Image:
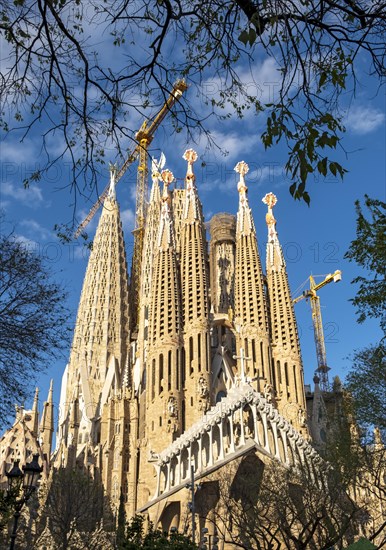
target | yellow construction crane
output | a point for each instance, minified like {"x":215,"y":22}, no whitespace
{"x":143,"y":137}
{"x":310,"y":293}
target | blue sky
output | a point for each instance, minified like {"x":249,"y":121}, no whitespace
{"x":314,"y":238}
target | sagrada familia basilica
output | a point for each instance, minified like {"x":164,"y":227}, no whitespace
{"x":198,"y":370}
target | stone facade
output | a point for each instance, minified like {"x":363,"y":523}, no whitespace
{"x":29,"y":435}
{"x":210,"y":323}
{"x":209,"y":375}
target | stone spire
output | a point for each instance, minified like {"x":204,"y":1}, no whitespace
{"x":100,"y":343}
{"x":47,"y":423}
{"x":163,"y":361}
{"x":288,"y":368}
{"x":151,"y":229}
{"x":35,"y":413}
{"x":149,"y":244}
{"x":251,"y":317}
{"x":195,"y":303}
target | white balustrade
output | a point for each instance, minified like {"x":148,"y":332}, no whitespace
{"x":243,"y":409}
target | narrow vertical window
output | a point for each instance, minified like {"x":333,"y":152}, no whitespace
{"x":161,"y":372}
{"x":199,"y":352}
{"x":153,"y":379}
{"x":191,"y":355}
{"x":169,"y":370}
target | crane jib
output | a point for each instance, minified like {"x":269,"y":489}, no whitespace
{"x":144,"y":137}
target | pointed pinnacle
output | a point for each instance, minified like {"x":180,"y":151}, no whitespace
{"x":242,"y":168}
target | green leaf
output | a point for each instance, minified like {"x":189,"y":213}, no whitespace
{"x":252,"y":36}
{"x":306,"y":198}
{"x":244,"y":37}
{"x":301,"y":188}
{"x":322,"y":167}
{"x":322,"y":80}
{"x":310,"y":148}
{"x":292,"y":189}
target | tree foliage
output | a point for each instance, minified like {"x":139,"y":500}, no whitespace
{"x":367,"y":379}
{"x":147,"y":537}
{"x":287,"y":508}
{"x":367,"y":383}
{"x":368,"y":250}
{"x":260,"y":506}
{"x":7,"y":503}
{"x":57,"y":72}
{"x":33,"y":320}
{"x":71,"y":513}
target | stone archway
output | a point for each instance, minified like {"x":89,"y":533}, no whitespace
{"x":246,"y":483}
{"x":207,"y":498}
{"x":170,"y":517}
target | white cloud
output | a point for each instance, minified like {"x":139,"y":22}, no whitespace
{"x":234,"y":145}
{"x":19,"y":152}
{"x":4,"y":204}
{"x":260,"y":81}
{"x":33,"y":227}
{"x":272,"y":173}
{"x":128,"y":219}
{"x":31,"y":196}
{"x":363,"y":120}
{"x":29,"y":244}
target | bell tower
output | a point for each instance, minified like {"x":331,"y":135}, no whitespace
{"x":286,"y":361}
{"x":100,"y":343}
{"x":251,"y":317}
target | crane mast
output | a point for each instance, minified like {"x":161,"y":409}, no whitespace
{"x":143,"y":137}
{"x":311,"y":294}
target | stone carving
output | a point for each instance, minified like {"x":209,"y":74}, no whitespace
{"x":302,"y":418}
{"x":202,"y":388}
{"x":153,"y":456}
{"x":172,"y":407}
{"x":268,"y":392}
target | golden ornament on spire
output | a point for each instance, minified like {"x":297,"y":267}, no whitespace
{"x":167,"y":178}
{"x":241,"y":168}
{"x":270,"y":200}
{"x":190,"y":156}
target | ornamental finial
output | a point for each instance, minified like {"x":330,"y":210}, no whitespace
{"x":167,"y":178}
{"x":113,"y":176}
{"x":156,"y":167}
{"x":36,"y":399}
{"x":270,"y":200}
{"x":190,"y":156}
{"x":241,"y":168}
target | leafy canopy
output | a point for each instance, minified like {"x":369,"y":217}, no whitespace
{"x":33,"y":320}
{"x":367,"y":383}
{"x":367,"y":378}
{"x":60,"y":74}
{"x":152,"y":539}
{"x":368,"y":250}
